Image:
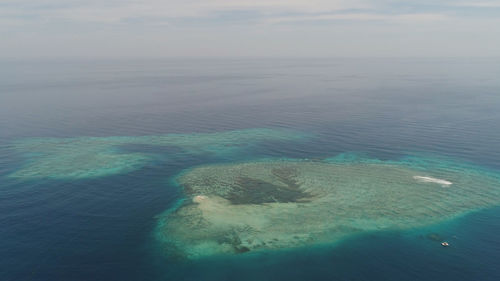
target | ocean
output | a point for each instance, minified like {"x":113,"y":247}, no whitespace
{"x":90,"y":149}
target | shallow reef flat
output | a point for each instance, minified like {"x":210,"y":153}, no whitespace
{"x":87,"y":157}
{"x":278,"y":204}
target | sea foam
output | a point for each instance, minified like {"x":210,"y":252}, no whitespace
{"x":433,"y":180}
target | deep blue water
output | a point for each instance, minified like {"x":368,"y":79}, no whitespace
{"x":102,"y":228}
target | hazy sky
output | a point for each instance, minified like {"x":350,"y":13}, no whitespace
{"x":291,"y":28}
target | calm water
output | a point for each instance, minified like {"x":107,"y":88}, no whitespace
{"x":102,"y":228}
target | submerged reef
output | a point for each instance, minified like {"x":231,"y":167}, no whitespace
{"x":87,"y":157}
{"x":276,"y":204}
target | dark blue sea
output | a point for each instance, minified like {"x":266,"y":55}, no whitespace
{"x":102,"y":227}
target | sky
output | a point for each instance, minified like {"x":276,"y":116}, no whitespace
{"x":243,"y":28}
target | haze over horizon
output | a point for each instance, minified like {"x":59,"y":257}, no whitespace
{"x":223,"y":28}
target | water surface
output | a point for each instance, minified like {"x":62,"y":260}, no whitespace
{"x":60,"y":220}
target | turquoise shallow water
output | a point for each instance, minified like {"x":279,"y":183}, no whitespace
{"x":86,"y":168}
{"x":238,"y":208}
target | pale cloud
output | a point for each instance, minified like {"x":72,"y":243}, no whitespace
{"x":269,"y":11}
{"x":401,"y":18}
{"x":175,"y":8}
{"x":115,"y":11}
{"x":479,"y":4}
{"x":298,"y":6}
{"x":248,"y":28}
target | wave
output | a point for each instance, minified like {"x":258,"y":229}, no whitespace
{"x":433,"y":180}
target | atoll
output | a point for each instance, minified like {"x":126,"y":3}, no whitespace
{"x":278,"y":204}
{"x":88,"y":157}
